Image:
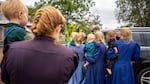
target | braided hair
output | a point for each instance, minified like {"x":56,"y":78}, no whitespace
{"x":46,"y":20}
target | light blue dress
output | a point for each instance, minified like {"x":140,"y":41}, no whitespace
{"x":122,"y":71}
{"x":79,"y":74}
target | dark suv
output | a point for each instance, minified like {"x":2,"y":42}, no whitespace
{"x":142,"y":66}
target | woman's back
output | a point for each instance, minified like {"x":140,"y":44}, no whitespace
{"x":36,"y":63}
{"x":78,"y":76}
{"x":79,"y":50}
{"x":126,"y":50}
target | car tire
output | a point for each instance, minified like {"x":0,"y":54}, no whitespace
{"x":143,"y":76}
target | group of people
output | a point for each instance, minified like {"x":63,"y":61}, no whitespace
{"x":90,"y":69}
{"x":103,"y":62}
{"x":43,"y":60}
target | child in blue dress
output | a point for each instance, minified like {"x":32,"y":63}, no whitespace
{"x":77,"y":46}
{"x":72,"y":42}
{"x":111,"y":38}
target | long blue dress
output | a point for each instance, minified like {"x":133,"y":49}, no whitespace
{"x":79,"y":74}
{"x":122,"y":71}
{"x":95,"y":71}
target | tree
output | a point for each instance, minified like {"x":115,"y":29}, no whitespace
{"x":133,"y":12}
{"x":76,"y":12}
{"x":73,"y":10}
{"x":94,"y":18}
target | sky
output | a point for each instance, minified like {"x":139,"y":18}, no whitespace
{"x":104,"y":8}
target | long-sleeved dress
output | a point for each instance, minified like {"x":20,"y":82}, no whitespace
{"x":79,"y":74}
{"x":122,"y":71}
{"x":38,"y":61}
{"x":95,"y":71}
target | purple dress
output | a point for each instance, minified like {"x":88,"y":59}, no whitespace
{"x":38,"y":61}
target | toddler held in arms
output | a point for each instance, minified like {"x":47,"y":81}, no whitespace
{"x":89,"y":48}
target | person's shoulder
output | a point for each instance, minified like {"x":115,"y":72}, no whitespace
{"x":134,"y":43}
{"x":119,"y":42}
{"x":89,"y":43}
{"x":15,"y":26}
{"x":97,"y":43}
{"x":18,"y":33}
{"x":82,"y":45}
{"x":100,"y":45}
{"x":64,"y":49}
{"x":20,"y":44}
{"x":66,"y":52}
{"x":17,"y":30}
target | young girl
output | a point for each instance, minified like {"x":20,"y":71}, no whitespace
{"x":111,"y":37}
{"x":72,"y":42}
{"x":95,"y":71}
{"x":78,"y":47}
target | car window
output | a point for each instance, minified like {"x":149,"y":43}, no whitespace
{"x":143,"y":38}
{"x":145,"y":52}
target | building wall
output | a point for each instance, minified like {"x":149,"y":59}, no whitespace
{"x":1,"y":42}
{"x":2,"y":25}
